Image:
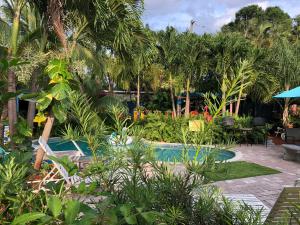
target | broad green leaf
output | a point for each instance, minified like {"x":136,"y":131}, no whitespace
{"x":56,"y":79}
{"x":55,"y":205}
{"x":131,"y":219}
{"x":125,"y":210}
{"x":71,"y":211}
{"x":43,"y":102}
{"x":57,"y":67}
{"x":27,"y":218}
{"x":150,"y":216}
{"x":60,"y":90}
{"x":59,"y":112}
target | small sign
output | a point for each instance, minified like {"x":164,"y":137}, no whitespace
{"x":196,"y":125}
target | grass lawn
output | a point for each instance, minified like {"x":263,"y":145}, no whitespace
{"x":239,"y":169}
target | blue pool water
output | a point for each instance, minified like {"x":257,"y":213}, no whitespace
{"x":166,"y":153}
{"x":170,"y":154}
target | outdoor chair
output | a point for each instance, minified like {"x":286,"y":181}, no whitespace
{"x":228,"y":122}
{"x":58,"y":169}
{"x":292,"y":135}
{"x":259,"y":124}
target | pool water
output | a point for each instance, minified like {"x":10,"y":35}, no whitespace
{"x":170,"y":154}
{"x":166,"y":153}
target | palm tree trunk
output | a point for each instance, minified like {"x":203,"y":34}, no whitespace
{"x":223,"y":89}
{"x":30,"y":114}
{"x":2,"y":118}
{"x":12,"y":80}
{"x":237,"y":106}
{"x":138,"y":92}
{"x":285,"y":114}
{"x":110,"y":86}
{"x":45,"y":135}
{"x":12,"y":104}
{"x":187,"y":100}
{"x":31,"y":105}
{"x":172,"y":95}
{"x":55,"y":12}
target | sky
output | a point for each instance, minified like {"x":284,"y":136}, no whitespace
{"x":209,"y":15}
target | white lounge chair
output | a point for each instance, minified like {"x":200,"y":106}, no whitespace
{"x":58,"y":169}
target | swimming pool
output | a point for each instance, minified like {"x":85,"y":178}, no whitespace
{"x":162,"y":152}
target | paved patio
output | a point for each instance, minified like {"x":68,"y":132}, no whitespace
{"x":265,"y":188}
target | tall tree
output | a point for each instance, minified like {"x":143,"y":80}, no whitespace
{"x":194,"y":62}
{"x":14,"y":8}
{"x":169,"y":57}
{"x":285,"y":58}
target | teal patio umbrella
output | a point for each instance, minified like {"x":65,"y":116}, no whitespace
{"x":293,"y":93}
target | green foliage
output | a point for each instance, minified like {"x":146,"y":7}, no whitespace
{"x":12,"y":177}
{"x":58,"y":211}
{"x":157,"y":127}
{"x":60,"y":88}
{"x":84,"y":122}
{"x":159,"y":101}
{"x":23,"y":132}
{"x":70,"y":167}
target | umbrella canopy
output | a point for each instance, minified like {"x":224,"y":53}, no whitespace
{"x":293,"y":93}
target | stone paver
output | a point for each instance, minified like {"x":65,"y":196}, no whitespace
{"x":266,"y":188}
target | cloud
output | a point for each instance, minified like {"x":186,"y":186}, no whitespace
{"x":210,"y":15}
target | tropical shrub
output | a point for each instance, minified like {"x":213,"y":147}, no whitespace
{"x":158,"y":127}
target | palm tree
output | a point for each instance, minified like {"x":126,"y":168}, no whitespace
{"x":246,"y":72}
{"x":285,"y":58}
{"x":229,"y":49}
{"x":167,"y":45}
{"x":12,"y":10}
{"x":194,"y":62}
